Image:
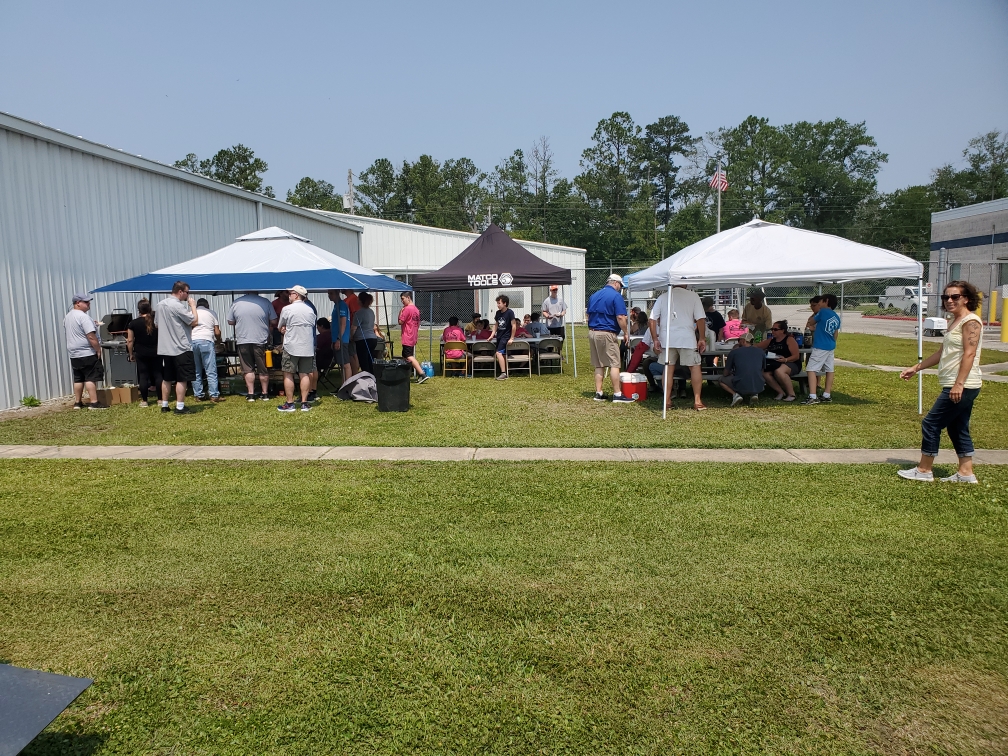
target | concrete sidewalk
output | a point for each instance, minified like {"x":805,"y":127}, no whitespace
{"x":470,"y":454}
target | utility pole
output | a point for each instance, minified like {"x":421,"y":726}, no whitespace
{"x":348,"y":203}
{"x":489,"y":206}
{"x":719,"y":196}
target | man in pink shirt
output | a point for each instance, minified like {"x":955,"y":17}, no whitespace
{"x":409,"y":324}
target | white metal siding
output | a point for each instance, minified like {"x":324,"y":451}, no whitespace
{"x":72,"y":220}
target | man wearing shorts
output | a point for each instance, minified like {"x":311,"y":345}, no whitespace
{"x":679,"y":330}
{"x":341,"y":333}
{"x":504,"y":329}
{"x":85,"y":352}
{"x":253,"y":318}
{"x":607,"y":316}
{"x":409,"y":325}
{"x":826,"y":323}
{"x":175,"y":316}
{"x":297,"y":324}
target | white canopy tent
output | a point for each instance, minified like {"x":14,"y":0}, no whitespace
{"x":760,"y":253}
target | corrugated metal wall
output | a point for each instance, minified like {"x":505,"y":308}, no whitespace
{"x":392,"y":248}
{"x":72,"y":220}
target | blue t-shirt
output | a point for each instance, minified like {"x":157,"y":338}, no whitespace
{"x":340,"y":310}
{"x":827,"y":325}
{"x":603,"y":308}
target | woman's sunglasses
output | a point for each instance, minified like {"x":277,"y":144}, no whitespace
{"x":953,"y":297}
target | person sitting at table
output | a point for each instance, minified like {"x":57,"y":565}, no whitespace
{"x":638,"y":322}
{"x":743,"y":374}
{"x":756,"y":313}
{"x":733,"y":327}
{"x":484,"y":332}
{"x":783,"y":361}
{"x":715,"y":321}
{"x":521,"y":332}
{"x":475,"y":325}
{"x":536,"y":328}
{"x":453,"y":333}
{"x":526,"y":320}
{"x":323,"y":343}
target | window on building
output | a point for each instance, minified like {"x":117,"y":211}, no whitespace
{"x":1002,"y":273}
{"x":955,"y":271}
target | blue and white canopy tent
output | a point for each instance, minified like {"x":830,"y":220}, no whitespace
{"x":266,"y":260}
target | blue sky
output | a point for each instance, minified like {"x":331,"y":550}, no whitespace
{"x":317,"y":88}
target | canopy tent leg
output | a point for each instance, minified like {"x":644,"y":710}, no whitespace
{"x":665,"y":372}
{"x":573,"y":340}
{"x":388,"y":328}
{"x":430,"y":330}
{"x":920,"y":344}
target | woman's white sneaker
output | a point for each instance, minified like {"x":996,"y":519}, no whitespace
{"x":914,"y":474}
{"x":959,"y":478}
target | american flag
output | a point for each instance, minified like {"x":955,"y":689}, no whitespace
{"x":719,"y":181}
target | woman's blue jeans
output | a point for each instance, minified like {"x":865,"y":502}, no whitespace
{"x":952,"y":415}
{"x":206,"y":360}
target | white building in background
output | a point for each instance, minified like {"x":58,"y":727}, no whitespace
{"x":75,"y":215}
{"x":404,"y":249}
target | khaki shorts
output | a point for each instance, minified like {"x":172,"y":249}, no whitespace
{"x":685,"y":357}
{"x":820,"y":361}
{"x":289,"y":363}
{"x":604,"y":348}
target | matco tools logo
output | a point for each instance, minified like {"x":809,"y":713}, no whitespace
{"x":491,"y":279}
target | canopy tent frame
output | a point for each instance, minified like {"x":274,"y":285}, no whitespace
{"x":759,"y":253}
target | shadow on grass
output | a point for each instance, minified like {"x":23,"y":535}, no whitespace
{"x":64,"y":744}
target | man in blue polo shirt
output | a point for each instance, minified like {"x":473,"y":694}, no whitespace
{"x":607,"y":316}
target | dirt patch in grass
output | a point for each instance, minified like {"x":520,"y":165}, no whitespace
{"x":966,"y":713}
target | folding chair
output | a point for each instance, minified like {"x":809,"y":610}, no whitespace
{"x":325,"y":371}
{"x":519,"y":357}
{"x":454,"y":363}
{"x":550,"y":352}
{"x":484,"y":357}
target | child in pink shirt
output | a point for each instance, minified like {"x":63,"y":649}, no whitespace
{"x":453,"y":333}
{"x":733,"y":327}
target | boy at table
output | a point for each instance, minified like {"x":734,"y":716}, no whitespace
{"x":475,"y":325}
{"x":504,"y":327}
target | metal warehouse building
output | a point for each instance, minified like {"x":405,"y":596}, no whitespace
{"x":75,"y":215}
{"x":971,"y":243}
{"x":404,"y":249}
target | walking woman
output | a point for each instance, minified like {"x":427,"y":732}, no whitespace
{"x":365,"y":333}
{"x":958,"y":364}
{"x":141,"y":343}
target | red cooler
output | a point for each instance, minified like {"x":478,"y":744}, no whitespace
{"x":634,"y":385}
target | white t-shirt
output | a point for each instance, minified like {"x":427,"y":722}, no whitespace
{"x":77,"y":325}
{"x":687,"y":309}
{"x":551,"y":309}
{"x":204,"y":330}
{"x":299,"y":338}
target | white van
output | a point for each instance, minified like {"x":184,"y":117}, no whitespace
{"x":903,"y":298}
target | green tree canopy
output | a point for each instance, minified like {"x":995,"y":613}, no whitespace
{"x":316,"y":194}
{"x":236,"y":165}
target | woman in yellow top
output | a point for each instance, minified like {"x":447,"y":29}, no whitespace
{"x":958,"y":364}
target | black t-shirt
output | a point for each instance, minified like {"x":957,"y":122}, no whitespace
{"x":144,"y":344}
{"x":504,"y":321}
{"x":715,"y":323}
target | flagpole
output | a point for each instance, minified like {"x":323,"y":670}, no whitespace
{"x":719,"y":195}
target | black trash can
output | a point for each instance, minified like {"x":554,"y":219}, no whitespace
{"x":393,"y":378}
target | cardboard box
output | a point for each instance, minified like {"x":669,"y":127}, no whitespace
{"x":107,"y":397}
{"x":128,"y":394}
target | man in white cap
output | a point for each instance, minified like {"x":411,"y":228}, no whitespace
{"x":674,"y":328}
{"x":85,"y":352}
{"x":297,"y":324}
{"x":607,"y":316}
{"x":554,"y":309}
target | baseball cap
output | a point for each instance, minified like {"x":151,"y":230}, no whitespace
{"x":301,"y":290}
{"x":747,"y":337}
{"x":616,"y":278}
{"x":82,"y":298}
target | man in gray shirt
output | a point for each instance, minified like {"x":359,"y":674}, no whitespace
{"x":253,"y":318}
{"x":554,"y":309}
{"x":85,"y":352}
{"x":744,"y":371}
{"x":297,"y":324}
{"x":175,"y":316}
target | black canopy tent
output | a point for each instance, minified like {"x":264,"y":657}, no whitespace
{"x":494,"y":260}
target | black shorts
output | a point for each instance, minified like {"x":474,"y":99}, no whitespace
{"x":252,"y":358}
{"x":180,"y":368}
{"x":558,"y":331}
{"x":408,"y":351}
{"x":87,"y":369}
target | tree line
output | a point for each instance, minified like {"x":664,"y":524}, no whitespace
{"x":643,"y":192}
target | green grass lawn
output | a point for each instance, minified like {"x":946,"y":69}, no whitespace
{"x":508,"y":608}
{"x":869,"y":349}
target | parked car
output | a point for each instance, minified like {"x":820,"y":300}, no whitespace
{"x":903,"y":298}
